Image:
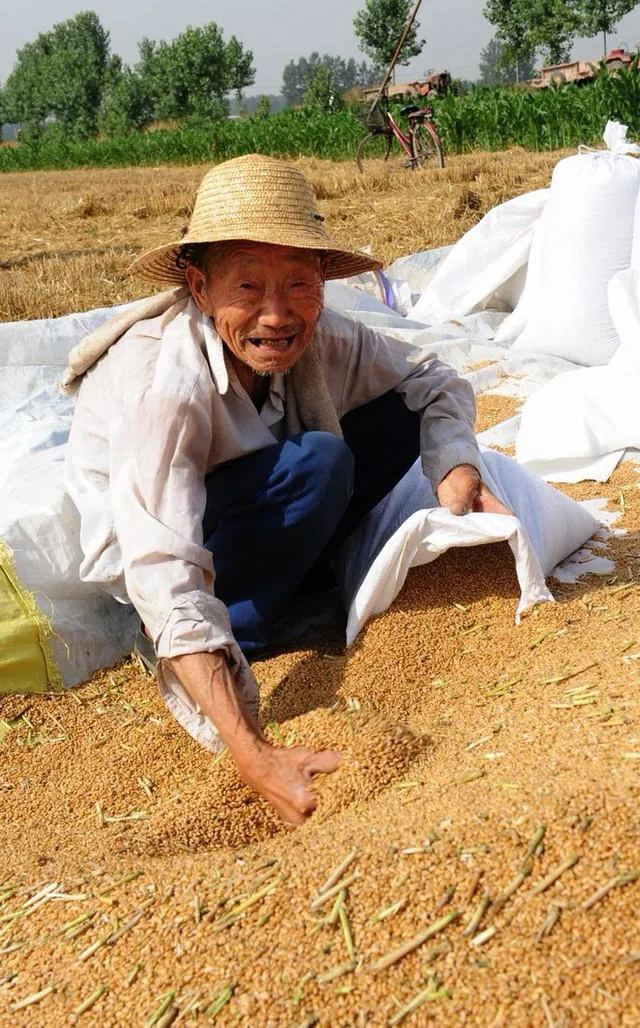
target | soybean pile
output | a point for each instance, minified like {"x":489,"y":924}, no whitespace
{"x":482,"y":826}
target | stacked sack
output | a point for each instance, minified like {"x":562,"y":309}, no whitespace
{"x":578,"y":425}
{"x":582,"y":239}
{"x":486,"y":268}
{"x":55,"y":630}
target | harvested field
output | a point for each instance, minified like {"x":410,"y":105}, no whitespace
{"x":484,"y":819}
{"x":71,"y":234}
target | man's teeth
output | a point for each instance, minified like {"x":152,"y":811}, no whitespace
{"x":277,"y":343}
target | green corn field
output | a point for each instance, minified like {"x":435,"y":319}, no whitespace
{"x":484,"y":119}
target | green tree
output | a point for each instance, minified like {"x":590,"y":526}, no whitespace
{"x":239,"y":66}
{"x":524,"y":26}
{"x":191,"y":76}
{"x":602,"y":16}
{"x":263,"y":107}
{"x":297,"y":75}
{"x":379,"y":26}
{"x":555,"y":25}
{"x":512,"y":22}
{"x":3,"y":112}
{"x":369,"y":74}
{"x":79,"y":63}
{"x":148,"y":71}
{"x":321,"y":91}
{"x":293,"y":81}
{"x":61,"y":75}
{"x":498,"y":66}
{"x":25,"y":93}
{"x":126,"y":105}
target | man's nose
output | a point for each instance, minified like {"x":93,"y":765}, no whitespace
{"x":275,"y":311}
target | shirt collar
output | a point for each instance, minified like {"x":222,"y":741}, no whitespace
{"x":214,"y":348}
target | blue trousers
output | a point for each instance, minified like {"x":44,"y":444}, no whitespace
{"x":272,"y":515}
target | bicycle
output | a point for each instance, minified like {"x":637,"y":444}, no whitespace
{"x":420,"y":145}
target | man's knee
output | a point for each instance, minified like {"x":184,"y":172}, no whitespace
{"x":327,"y":464}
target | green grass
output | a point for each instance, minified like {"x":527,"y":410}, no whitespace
{"x":485,"y":119}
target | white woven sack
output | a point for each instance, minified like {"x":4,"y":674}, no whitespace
{"x":581,"y":241}
{"x":516,"y":322}
{"x":408,"y":529}
{"x":410,"y":275}
{"x":579,"y":424}
{"x":38,"y":523}
{"x":483,"y":261}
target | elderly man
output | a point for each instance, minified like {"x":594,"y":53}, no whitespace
{"x":248,"y":429}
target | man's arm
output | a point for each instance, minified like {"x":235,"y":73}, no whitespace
{"x":364,"y":364}
{"x":373,"y":364}
{"x":159,"y":456}
{"x":284,"y":777}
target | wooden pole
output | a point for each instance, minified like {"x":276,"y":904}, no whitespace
{"x":403,"y":38}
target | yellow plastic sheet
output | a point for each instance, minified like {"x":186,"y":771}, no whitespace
{"x":26,"y":658}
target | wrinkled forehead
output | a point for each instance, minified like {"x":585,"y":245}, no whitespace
{"x":241,"y":253}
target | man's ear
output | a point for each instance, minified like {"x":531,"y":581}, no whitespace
{"x":198,"y":285}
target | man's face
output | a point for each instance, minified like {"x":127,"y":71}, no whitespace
{"x":265,"y":301}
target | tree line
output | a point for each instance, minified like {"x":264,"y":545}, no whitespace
{"x":307,"y":77}
{"x":68,"y":81}
{"x":69,"y":76}
{"x":525,"y":28}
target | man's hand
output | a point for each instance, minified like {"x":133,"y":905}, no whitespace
{"x":284,"y":777}
{"x":463,"y":491}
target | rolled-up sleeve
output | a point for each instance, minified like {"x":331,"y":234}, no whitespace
{"x":373,"y":364}
{"x":159,"y":455}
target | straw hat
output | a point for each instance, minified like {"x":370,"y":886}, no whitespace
{"x":262,"y":200}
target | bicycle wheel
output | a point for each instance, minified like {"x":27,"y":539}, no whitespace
{"x":375,"y":145}
{"x":427,"y":148}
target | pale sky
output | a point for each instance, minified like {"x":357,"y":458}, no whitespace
{"x":278,"y":30}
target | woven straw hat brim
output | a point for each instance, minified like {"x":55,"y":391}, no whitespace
{"x":159,"y":264}
{"x":261,"y":200}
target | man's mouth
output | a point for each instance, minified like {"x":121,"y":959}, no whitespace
{"x":272,"y":346}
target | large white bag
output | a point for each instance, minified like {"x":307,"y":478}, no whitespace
{"x":483,"y":262}
{"x":581,"y":241}
{"x":346,"y":295}
{"x":408,"y":529}
{"x":578,"y":425}
{"x":54,"y":629}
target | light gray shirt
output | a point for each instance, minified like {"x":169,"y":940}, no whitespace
{"x":164,"y":406}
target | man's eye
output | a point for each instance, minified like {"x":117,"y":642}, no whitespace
{"x":247,"y":285}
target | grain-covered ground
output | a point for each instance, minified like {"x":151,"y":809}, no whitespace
{"x":486,"y":811}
